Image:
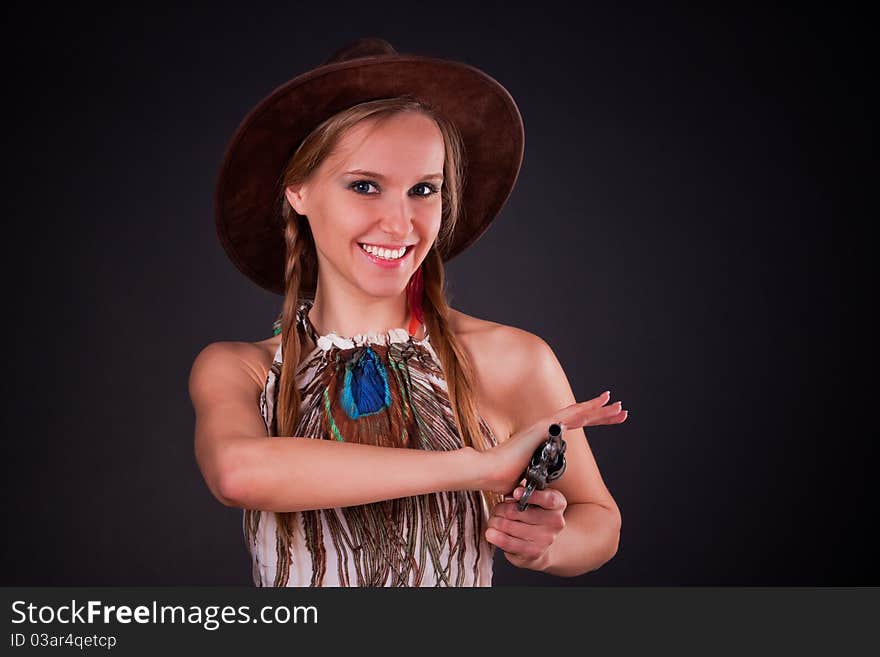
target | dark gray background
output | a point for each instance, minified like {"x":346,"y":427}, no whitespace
{"x":681,"y":233}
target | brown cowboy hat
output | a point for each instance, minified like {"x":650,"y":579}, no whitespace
{"x":482,"y":110}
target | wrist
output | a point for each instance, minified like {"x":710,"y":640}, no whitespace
{"x":473,"y":469}
{"x":542,"y":563}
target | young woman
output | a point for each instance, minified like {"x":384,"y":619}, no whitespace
{"x":372,"y":439}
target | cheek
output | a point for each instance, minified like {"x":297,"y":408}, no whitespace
{"x":429,"y":221}
{"x":338,"y":226}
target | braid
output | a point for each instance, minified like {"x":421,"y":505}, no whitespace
{"x":457,"y":367}
{"x":299,"y":280}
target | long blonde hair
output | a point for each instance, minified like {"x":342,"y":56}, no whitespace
{"x":301,"y":266}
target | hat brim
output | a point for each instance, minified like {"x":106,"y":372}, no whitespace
{"x":483,"y":111}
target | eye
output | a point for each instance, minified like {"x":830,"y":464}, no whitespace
{"x":431,"y":189}
{"x":359,"y":185}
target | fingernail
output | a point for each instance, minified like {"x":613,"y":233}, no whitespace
{"x":518,"y":493}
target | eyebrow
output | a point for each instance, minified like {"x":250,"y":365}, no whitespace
{"x":373,"y":174}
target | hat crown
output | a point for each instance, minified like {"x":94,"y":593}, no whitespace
{"x":365,"y":47}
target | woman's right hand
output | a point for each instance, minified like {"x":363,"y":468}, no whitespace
{"x":503,"y":466}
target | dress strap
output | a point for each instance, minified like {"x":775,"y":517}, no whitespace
{"x":302,"y":320}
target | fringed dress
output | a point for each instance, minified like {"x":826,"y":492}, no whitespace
{"x":385,"y":389}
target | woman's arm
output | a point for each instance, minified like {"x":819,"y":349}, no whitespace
{"x":590,"y":534}
{"x":244,"y":467}
{"x":295,"y":474}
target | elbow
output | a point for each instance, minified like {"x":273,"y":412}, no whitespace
{"x":611,"y":538}
{"x":615,"y":544}
{"x":228,"y":468}
{"x":615,"y":534}
{"x":235,"y":487}
{"x":227,"y":490}
{"x":229,"y":485}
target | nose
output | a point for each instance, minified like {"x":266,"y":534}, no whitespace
{"x":397,"y":220}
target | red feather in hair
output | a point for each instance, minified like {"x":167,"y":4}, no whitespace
{"x":415,"y":290}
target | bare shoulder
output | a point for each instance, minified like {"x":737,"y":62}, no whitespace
{"x":245,"y":364}
{"x":504,"y":358}
{"x":490,"y":338}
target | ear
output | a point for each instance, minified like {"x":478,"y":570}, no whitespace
{"x":295,"y":196}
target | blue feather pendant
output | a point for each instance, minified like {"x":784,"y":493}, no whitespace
{"x":365,"y":388}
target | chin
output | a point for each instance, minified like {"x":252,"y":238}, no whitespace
{"x":382,"y":291}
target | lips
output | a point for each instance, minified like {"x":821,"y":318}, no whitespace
{"x":387,"y":264}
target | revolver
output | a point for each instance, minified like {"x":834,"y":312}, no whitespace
{"x":547,"y":464}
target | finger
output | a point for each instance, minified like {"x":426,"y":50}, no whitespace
{"x":585,"y":415}
{"x":548,"y":498}
{"x":515,"y":528}
{"x":606,"y":413}
{"x":512,"y":544}
{"x":508,"y":497}
{"x":595,"y":402}
{"x":579,"y":407}
{"x":508,"y":509}
{"x":615,"y":418}
{"x":532,"y":515}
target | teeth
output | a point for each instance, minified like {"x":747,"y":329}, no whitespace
{"x":387,"y":254}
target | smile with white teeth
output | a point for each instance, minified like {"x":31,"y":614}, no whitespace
{"x":386,"y":254}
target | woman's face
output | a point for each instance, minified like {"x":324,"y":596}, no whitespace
{"x":381,"y":188}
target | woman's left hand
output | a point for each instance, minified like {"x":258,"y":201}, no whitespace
{"x":526,"y":536}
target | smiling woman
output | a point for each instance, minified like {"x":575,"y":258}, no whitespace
{"x":371,"y":439}
{"x":399,"y":221}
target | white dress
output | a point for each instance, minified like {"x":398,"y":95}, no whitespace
{"x":386,"y":389}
